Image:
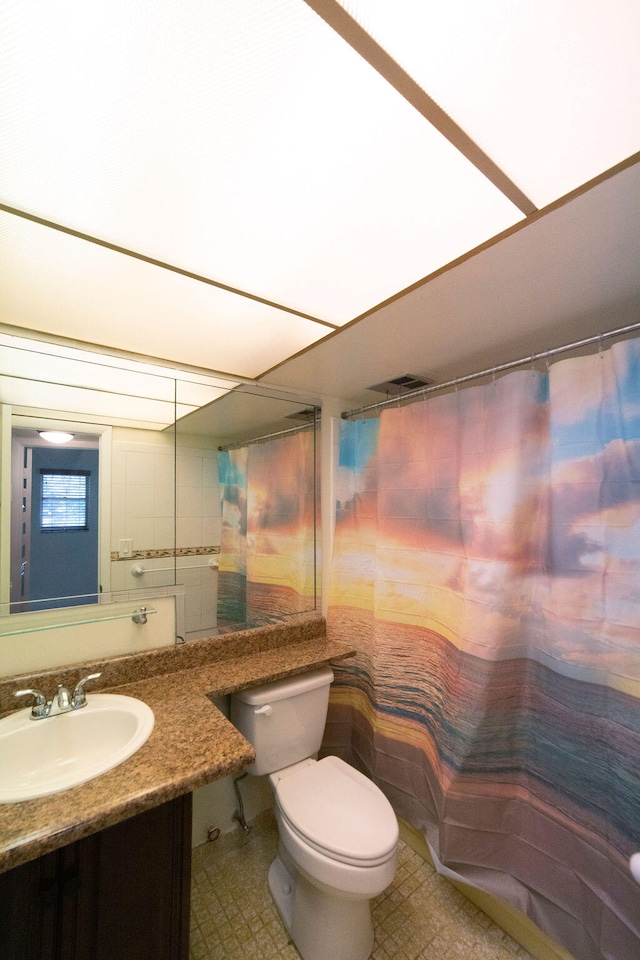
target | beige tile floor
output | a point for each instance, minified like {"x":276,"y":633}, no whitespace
{"x":419,"y":917}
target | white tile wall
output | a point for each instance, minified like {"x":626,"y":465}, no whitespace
{"x":143,"y":510}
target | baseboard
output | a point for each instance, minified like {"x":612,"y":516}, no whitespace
{"x":512,"y":921}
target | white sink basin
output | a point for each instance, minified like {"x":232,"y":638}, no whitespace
{"x":39,"y":757}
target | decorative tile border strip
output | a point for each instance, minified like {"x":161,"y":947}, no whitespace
{"x":166,"y":552}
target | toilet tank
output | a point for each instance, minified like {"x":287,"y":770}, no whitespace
{"x":283,"y":721}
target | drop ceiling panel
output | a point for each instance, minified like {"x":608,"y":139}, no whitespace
{"x":18,"y":359}
{"x":571,"y":274}
{"x":549,"y":90}
{"x":65,"y":381}
{"x":59,"y":401}
{"x":246,"y":142}
{"x":242,"y":141}
{"x":56,"y":283}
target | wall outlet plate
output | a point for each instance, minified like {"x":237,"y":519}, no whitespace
{"x":125,"y":548}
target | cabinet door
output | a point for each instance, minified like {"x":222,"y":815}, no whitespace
{"x":29,"y":910}
{"x":122,"y":893}
{"x":139,"y":896}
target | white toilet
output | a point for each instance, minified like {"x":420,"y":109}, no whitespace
{"x":338,"y":832}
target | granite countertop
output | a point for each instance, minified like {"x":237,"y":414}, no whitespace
{"x":192,"y":743}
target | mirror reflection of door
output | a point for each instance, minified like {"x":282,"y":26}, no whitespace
{"x":54,"y":522}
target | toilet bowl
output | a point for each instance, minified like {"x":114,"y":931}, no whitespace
{"x":338,"y":849}
{"x":338,"y":834}
{"x":337,"y":825}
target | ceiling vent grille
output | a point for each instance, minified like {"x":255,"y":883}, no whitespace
{"x":306,"y":416}
{"x":399,"y":386}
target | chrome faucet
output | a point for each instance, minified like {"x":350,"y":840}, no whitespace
{"x":65,"y":701}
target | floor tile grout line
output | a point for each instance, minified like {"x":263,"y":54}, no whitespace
{"x":420,"y":917}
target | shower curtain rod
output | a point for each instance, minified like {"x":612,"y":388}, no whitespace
{"x":500,"y":368}
{"x":270,"y":436}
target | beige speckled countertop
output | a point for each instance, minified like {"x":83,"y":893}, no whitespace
{"x":191,"y":744}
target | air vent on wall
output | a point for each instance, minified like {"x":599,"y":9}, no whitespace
{"x":398,"y":386}
{"x":307,"y":415}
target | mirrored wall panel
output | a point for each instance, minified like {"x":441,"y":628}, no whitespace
{"x":123,"y":480}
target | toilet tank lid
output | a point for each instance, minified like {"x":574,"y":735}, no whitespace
{"x":289,"y":687}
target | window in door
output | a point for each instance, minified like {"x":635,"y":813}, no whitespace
{"x":64,"y":503}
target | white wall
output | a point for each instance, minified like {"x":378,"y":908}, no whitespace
{"x":215,"y":803}
{"x":38,"y":650}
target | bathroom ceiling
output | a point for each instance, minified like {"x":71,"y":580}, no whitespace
{"x":572,"y":274}
{"x":369,"y":188}
{"x":38,"y":376}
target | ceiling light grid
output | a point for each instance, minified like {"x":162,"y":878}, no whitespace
{"x":549,"y":90}
{"x":284,"y":183}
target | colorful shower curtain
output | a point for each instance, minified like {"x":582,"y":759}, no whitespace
{"x":486,"y":566}
{"x":267,"y":554}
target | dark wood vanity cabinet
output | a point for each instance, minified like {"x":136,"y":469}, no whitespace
{"x":121,"y":894}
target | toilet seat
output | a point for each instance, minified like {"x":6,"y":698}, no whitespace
{"x":339,"y":812}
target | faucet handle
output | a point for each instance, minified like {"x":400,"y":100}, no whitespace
{"x":79,"y":696}
{"x":40,"y":708}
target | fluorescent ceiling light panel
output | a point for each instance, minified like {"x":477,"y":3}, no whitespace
{"x":36,"y":366}
{"x":60,"y":379}
{"x":74,"y":402}
{"x":550,"y":90}
{"x":196,"y":394}
{"x":79,"y":368}
{"x":50,"y":348}
{"x":243,"y":141}
{"x":67,"y":287}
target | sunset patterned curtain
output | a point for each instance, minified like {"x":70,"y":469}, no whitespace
{"x":486,"y":566}
{"x":267,"y":554}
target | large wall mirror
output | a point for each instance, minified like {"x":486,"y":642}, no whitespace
{"x":157,"y":487}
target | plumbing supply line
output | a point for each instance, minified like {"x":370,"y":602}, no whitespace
{"x":239,"y":814}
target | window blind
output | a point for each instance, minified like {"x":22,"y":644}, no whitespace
{"x":65,"y":499}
